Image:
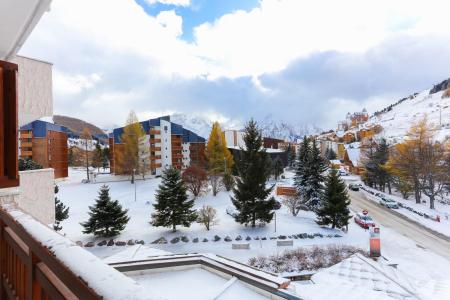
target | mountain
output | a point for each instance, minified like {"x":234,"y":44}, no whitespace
{"x":397,"y":118}
{"x":77,"y":125}
{"x":269,"y":126}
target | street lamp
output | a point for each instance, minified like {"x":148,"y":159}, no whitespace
{"x":135,"y":183}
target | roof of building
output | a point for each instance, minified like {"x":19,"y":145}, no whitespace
{"x":358,"y":277}
{"x":40,"y":128}
{"x":176,"y":129}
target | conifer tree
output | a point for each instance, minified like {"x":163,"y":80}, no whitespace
{"x":172,"y":206}
{"x":106,"y":216}
{"x":105,"y":155}
{"x":301,"y":170}
{"x":61,"y":211}
{"x":218,"y":156}
{"x":251,"y":196}
{"x":334,"y":205}
{"x":290,"y":156}
{"x":316,"y":167}
{"x":277,"y":168}
{"x":97,"y":158}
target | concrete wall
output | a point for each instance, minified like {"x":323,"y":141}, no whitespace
{"x":37,"y":196}
{"x":35,"y":89}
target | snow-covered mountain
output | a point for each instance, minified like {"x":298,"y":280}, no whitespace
{"x":397,"y":118}
{"x":270,"y":126}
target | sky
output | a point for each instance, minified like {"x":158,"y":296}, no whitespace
{"x":299,"y":61}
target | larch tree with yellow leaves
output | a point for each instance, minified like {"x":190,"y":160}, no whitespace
{"x":219,"y":158}
{"x":131,"y":138}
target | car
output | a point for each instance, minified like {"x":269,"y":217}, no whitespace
{"x":343,"y":173}
{"x":364,"y":220}
{"x":389,"y":203}
{"x":353,"y":187}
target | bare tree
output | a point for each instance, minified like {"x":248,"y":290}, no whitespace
{"x":294,"y":204}
{"x":215,"y":180}
{"x":195,"y":179}
{"x":207,"y":216}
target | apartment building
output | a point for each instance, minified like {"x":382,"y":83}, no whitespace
{"x":169,"y":145}
{"x":45,"y":143}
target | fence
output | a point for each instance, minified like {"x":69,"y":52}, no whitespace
{"x":29,"y":271}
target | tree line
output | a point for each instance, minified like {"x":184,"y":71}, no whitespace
{"x":419,"y":165}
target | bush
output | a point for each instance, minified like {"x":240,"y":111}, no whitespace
{"x":305,"y":259}
{"x":175,"y":240}
{"x":28,"y":164}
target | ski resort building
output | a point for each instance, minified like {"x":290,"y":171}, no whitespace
{"x":169,"y":145}
{"x":45,"y":143}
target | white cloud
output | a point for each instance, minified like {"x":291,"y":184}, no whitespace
{"x":171,"y":2}
{"x":243,"y":64}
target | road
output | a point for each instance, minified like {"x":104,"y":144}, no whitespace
{"x":421,"y":235}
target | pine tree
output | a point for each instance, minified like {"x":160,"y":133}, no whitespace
{"x":106,"y":216}
{"x":172,"y":206}
{"x":128,"y":160}
{"x":61,"y":211}
{"x":250,"y":193}
{"x":334,"y":205}
{"x":86,"y":138}
{"x":277,"y":168}
{"x":330,"y":154}
{"x":316,"y":167}
{"x":290,"y":156}
{"x":105,"y":155}
{"x":302,"y":170}
{"x":218,"y":156}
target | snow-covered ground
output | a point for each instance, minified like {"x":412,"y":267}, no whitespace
{"x":422,"y":267}
{"x":396,"y":122}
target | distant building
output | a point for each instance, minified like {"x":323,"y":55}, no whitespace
{"x":357,"y":118}
{"x":170,"y":145}
{"x":234,"y":138}
{"x":271,"y":143}
{"x":45,"y":143}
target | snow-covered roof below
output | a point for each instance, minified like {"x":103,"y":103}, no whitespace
{"x":354,"y":155}
{"x":48,"y":119}
{"x":105,"y":280}
{"x":335,"y":161}
{"x":358,"y":277}
{"x":268,"y":150}
{"x":136,"y":252}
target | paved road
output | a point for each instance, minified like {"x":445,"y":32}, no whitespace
{"x":421,"y":235}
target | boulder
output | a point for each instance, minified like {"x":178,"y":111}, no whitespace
{"x":185,"y":239}
{"x":175,"y":240}
{"x":79,"y":243}
{"x":110,"y":243}
{"x":227,"y":239}
{"x":195,"y":240}
{"x":120,"y":243}
{"x":130,"y":243}
{"x":217,"y":238}
{"x":89,"y":244}
{"x":161,"y":240}
{"x":102,"y":243}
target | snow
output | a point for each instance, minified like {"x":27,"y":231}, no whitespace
{"x":424,"y":269}
{"x":105,"y":280}
{"x":48,"y":119}
{"x":136,"y":252}
{"x":441,"y":210}
{"x":396,"y":122}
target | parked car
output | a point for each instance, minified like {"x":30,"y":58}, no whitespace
{"x":364,"y":220}
{"x":353,"y":187}
{"x":343,"y":173}
{"x":389,"y":203}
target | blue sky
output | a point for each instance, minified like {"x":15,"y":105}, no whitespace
{"x":199,"y":11}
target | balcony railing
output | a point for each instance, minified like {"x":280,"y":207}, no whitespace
{"x":29,"y":271}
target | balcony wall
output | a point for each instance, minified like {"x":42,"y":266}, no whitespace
{"x":37,"y":194}
{"x":35,"y":89}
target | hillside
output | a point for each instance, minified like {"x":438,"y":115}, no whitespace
{"x":397,"y":118}
{"x":77,"y":125}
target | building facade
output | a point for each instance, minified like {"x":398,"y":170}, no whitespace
{"x":45,"y":143}
{"x":169,"y":145}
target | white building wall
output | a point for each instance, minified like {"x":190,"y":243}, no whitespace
{"x":35,"y":89}
{"x":37,"y":194}
{"x":166,"y":144}
{"x":234,"y":138}
{"x":186,"y":155}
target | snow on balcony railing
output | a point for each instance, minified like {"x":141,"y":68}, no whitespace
{"x":52,"y":254}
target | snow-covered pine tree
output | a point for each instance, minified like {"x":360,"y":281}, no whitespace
{"x":301,"y":169}
{"x":290,"y":156}
{"x":251,"y":196}
{"x":172,"y":206}
{"x":316,"y":167}
{"x":106,"y":216}
{"x":334,"y":207}
{"x":61,"y":212}
{"x":277,"y":168}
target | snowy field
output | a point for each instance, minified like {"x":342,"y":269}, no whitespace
{"x":420,"y":266}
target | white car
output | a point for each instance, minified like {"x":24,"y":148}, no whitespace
{"x":364,"y":220}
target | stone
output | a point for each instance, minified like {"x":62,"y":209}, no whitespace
{"x":89,"y":244}
{"x":120,"y":243}
{"x":175,"y":240}
{"x":205,"y":240}
{"x":185,"y":239}
{"x":102,"y":243}
{"x":217,"y":238}
{"x":227,"y":239}
{"x":195,"y":240}
{"x":282,"y":237}
{"x":110,"y":243}
{"x":238,"y":238}
{"x":130,"y":243}
{"x":248,"y":238}
{"x":161,"y":240}
{"x":79,"y":243}
{"x":263,"y":238}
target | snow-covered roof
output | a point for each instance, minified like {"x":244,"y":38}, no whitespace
{"x":354,"y":155}
{"x":335,"y":161}
{"x":136,"y":252}
{"x":358,"y":277}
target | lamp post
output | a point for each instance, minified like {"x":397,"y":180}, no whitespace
{"x":275,"y":214}
{"x":134,"y":172}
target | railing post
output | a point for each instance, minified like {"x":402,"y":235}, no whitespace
{"x":2,"y":259}
{"x":33,"y":289}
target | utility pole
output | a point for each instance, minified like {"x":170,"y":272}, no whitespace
{"x":275,"y":214}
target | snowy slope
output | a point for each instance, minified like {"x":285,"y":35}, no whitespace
{"x":399,"y":119}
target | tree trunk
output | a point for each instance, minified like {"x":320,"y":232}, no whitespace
{"x":389,"y":187}
{"x":253,"y":219}
{"x":432,"y":201}
{"x":132,"y":178}
{"x":87,"y":162}
{"x":417,"y":191}
{"x":174,"y":227}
